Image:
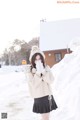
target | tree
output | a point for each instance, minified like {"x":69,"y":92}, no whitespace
{"x":5,"y":57}
{"x":19,"y":50}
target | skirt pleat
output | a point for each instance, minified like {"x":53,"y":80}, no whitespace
{"x":42,"y":105}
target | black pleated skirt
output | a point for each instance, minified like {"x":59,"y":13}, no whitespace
{"x":44,"y":104}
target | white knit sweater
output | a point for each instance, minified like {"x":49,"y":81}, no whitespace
{"x":39,"y":86}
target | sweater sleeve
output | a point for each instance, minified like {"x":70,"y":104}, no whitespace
{"x":33,"y":78}
{"x":48,"y":76}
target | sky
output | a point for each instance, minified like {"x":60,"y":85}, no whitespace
{"x":59,"y":34}
{"x":20,"y":19}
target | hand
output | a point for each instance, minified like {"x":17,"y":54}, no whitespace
{"x":39,"y":66}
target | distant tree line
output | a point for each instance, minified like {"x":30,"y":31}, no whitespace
{"x":18,"y":51}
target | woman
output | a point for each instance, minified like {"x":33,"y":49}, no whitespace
{"x":39,"y":78}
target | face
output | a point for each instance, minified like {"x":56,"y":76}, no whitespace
{"x":38,"y":57}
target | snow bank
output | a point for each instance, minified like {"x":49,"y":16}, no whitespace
{"x":67,"y":87}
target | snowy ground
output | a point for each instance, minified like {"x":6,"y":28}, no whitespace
{"x":17,"y":103}
{"x":14,"y":95}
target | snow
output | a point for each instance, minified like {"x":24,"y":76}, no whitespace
{"x":15,"y":99}
{"x":74,"y":44}
{"x":67,"y":87}
{"x":14,"y":95}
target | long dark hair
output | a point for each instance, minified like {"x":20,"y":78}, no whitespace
{"x":33,"y":65}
